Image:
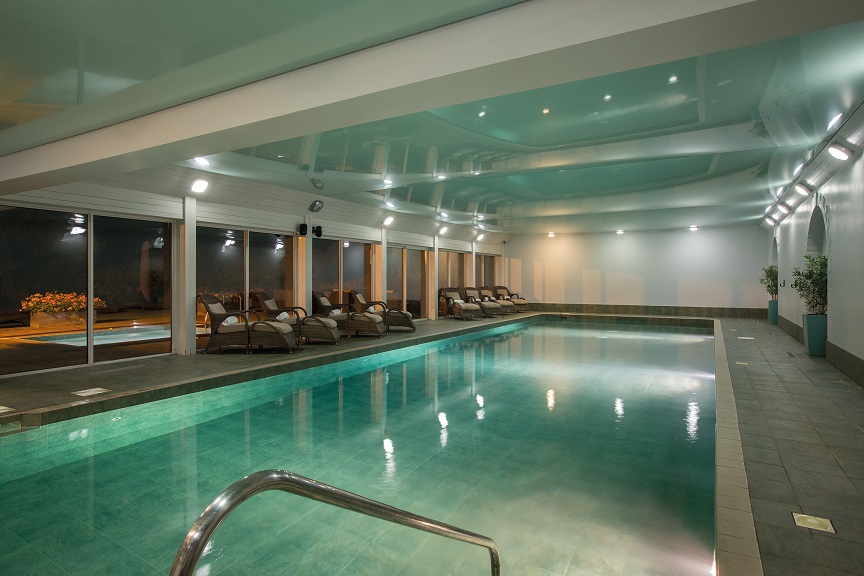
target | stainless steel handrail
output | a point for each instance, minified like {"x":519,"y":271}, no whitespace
{"x":196,"y":540}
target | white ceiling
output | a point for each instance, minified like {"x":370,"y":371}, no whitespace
{"x":711,"y":108}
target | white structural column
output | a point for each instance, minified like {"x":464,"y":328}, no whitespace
{"x":183,"y":293}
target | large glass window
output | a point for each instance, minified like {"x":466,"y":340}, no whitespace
{"x":489,"y":271}
{"x":357,"y":268}
{"x":325,"y":267}
{"x":394,"y":278}
{"x":271,"y":266}
{"x":132,"y":277}
{"x":451,"y":269}
{"x":43,"y":289}
{"x":219,"y":268}
{"x":415,"y":280}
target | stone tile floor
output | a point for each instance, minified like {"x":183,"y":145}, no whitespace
{"x":802,"y":433}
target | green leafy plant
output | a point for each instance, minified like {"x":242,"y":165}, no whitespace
{"x":811,"y":283}
{"x":769,"y":279}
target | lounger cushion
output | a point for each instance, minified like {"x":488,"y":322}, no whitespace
{"x":326,"y":322}
{"x":373,"y":317}
{"x":399,"y":313}
{"x":280,"y":327}
{"x":469,"y":306}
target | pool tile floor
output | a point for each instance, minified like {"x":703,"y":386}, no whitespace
{"x":796,"y":423}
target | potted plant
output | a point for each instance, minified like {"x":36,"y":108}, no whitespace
{"x":811,"y":283}
{"x":57,"y":309}
{"x":769,"y":279}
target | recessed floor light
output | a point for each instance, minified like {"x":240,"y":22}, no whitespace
{"x":813,"y":522}
{"x":91,"y":392}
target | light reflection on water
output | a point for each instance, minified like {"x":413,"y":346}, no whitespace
{"x":561,"y":491}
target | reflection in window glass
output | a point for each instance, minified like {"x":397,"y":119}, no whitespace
{"x":325,"y":267}
{"x":489,"y":271}
{"x":44,"y":252}
{"x":132,"y":276}
{"x":271,"y":266}
{"x":394,"y":278}
{"x":415,"y":280}
{"x":457,"y":269}
{"x":219,"y":266}
{"x":443,"y":269}
{"x":357,"y":268}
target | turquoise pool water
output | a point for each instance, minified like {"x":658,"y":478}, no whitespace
{"x":579,"y":451}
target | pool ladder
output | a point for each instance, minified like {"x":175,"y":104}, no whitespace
{"x":196,"y":540}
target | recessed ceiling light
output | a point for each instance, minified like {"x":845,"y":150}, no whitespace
{"x":481,"y":113}
{"x":388,"y":181}
{"x":607,"y":97}
{"x":346,"y":243}
{"x":475,"y":173}
{"x":780,"y":191}
{"x":768,"y":209}
{"x":673,"y":79}
{"x":480,"y":217}
{"x":389,"y":204}
{"x":442,"y":230}
{"x":199,"y":185}
{"x":388,"y":220}
{"x":550,"y":234}
{"x":201,"y":161}
{"x":839,"y":151}
{"x":798,"y":169}
{"x":545,"y":110}
{"x":619,"y":232}
{"x":441,"y":177}
{"x":770,"y":220}
{"x":693,"y":228}
{"x":834,"y":120}
{"x":481,"y":226}
{"x":443,"y":214}
{"x":803,"y":190}
{"x":480,"y":237}
{"x":783,"y":208}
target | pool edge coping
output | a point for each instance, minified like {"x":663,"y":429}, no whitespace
{"x":735,"y":530}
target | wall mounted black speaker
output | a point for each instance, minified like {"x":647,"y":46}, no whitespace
{"x":303,"y":229}
{"x":317,"y":231}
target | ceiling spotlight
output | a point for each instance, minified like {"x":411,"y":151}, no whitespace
{"x":77,"y":230}
{"x":770,"y":221}
{"x":693,"y":228}
{"x":317,"y":183}
{"x":481,"y":226}
{"x":798,"y":169}
{"x":780,"y":191}
{"x":839,"y":151}
{"x":673,"y":79}
{"x":803,"y":190}
{"x":199,"y":185}
{"x":389,"y":204}
{"x":550,"y":234}
{"x":834,"y":121}
{"x":481,"y":113}
{"x":442,"y":230}
{"x":388,"y":220}
{"x":476,"y":173}
{"x":480,"y":217}
{"x":441,"y":177}
{"x":387,"y":180}
{"x":316,"y":206}
{"x":480,"y":237}
{"x":607,"y":97}
{"x":443,"y":214}
{"x":346,"y":243}
{"x":201,"y":161}
{"x":545,"y":110}
{"x":619,"y":232}
{"x":783,"y":208}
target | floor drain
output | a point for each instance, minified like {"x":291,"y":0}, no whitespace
{"x":813,"y":522}
{"x":771,"y":334}
{"x":790,"y":355}
{"x":90,"y":392}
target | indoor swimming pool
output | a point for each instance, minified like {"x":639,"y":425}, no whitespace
{"x":578,"y":450}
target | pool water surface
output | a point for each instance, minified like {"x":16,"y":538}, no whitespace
{"x":580,"y":451}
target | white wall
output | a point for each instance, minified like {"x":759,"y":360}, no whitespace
{"x":714,"y":267}
{"x":842,"y":201}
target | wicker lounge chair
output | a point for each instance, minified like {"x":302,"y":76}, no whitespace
{"x":488,"y":307}
{"x":504,"y":292}
{"x":452,"y":304}
{"x":348,"y":321}
{"x":241,"y":332}
{"x":506,"y":306}
{"x":393,"y":317}
{"x":317,"y":327}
